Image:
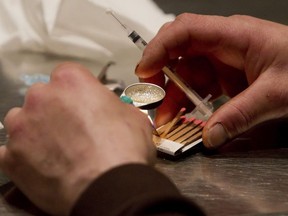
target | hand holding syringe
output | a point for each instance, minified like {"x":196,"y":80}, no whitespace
{"x":202,"y":106}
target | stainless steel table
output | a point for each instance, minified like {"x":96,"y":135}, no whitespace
{"x":249,"y":179}
{"x":253,"y":183}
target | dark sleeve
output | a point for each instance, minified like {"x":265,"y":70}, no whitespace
{"x":133,"y":189}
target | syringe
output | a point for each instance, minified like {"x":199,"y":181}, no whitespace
{"x":202,"y":105}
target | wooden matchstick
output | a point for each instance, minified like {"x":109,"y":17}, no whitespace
{"x":183,"y":131}
{"x":161,"y":129}
{"x":185,"y":123}
{"x":193,"y":138}
{"x":187,"y":134}
{"x":173,"y":122}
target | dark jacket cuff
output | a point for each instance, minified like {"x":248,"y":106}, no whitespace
{"x":133,"y":189}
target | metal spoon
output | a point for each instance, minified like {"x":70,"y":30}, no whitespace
{"x":145,"y":95}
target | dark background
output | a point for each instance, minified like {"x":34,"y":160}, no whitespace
{"x":274,"y":10}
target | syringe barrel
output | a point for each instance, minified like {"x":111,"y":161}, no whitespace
{"x":191,"y":94}
{"x":137,"y":40}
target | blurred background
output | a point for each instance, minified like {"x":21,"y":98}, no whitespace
{"x":266,"y":9}
{"x":36,"y":35}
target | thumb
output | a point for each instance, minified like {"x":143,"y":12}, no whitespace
{"x":264,"y":100}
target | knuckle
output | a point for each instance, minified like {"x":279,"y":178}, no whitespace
{"x":244,"y":117}
{"x":12,"y":122}
{"x":68,"y":72}
{"x":63,"y":71}
{"x":277,"y":100}
{"x":9,"y":118}
{"x":165,"y":26}
{"x":184,"y":16}
{"x":34,"y":95}
{"x":72,"y":76}
{"x":187,"y":17}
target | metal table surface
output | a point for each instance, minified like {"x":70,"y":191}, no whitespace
{"x":249,"y":179}
{"x":250,"y":183}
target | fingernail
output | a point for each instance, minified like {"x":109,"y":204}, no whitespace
{"x":136,"y":71}
{"x":217,"y":135}
{"x":137,"y":65}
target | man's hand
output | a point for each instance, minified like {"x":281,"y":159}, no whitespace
{"x":240,"y":56}
{"x":67,"y":133}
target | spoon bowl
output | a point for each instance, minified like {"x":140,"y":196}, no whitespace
{"x":145,"y":95}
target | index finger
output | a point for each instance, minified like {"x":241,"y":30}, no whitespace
{"x":225,"y":38}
